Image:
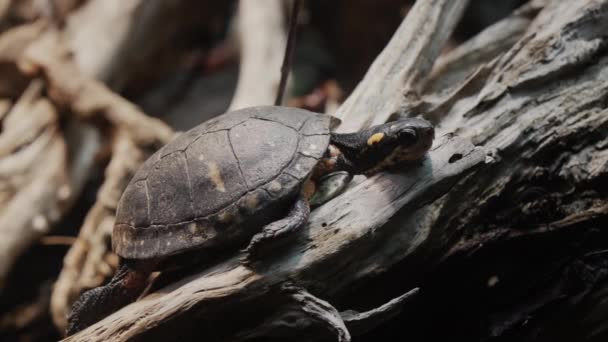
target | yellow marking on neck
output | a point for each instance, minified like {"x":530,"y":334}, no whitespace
{"x":216,"y":177}
{"x":374,"y":139}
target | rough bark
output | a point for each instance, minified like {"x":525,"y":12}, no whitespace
{"x":504,"y":237}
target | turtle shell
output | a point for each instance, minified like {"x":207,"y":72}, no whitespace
{"x":220,"y":182}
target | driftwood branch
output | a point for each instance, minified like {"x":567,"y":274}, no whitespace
{"x":89,"y":99}
{"x":463,"y":71}
{"x":493,"y":41}
{"x":115,"y":40}
{"x":97,"y":31}
{"x":31,"y":201}
{"x":262,"y":37}
{"x":401,"y":68}
{"x":361,"y":322}
{"x":85,"y":96}
{"x":82,"y":264}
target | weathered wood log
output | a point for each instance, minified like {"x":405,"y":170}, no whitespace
{"x":541,"y":111}
{"x":324,"y":261}
{"x":503,"y":240}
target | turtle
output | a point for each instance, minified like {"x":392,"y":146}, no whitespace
{"x":240,"y":181}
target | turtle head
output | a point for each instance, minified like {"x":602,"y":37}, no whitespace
{"x":383,"y":146}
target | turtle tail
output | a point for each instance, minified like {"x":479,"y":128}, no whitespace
{"x":95,"y":304}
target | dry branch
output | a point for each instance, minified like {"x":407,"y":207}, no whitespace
{"x":400,"y":70}
{"x":31,"y":135}
{"x":96,"y":31}
{"x":13,"y":43}
{"x":463,"y":71}
{"x":115,"y":41}
{"x":459,"y":63}
{"x":262,"y":38}
{"x":82,"y":264}
{"x":87,"y":97}
{"x":32,"y":196}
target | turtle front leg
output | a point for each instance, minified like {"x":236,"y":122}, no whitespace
{"x":279,"y":232}
{"x":93,"y":305}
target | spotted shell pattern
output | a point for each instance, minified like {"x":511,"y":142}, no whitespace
{"x":206,"y":186}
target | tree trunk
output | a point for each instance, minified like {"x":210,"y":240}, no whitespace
{"x":499,"y":233}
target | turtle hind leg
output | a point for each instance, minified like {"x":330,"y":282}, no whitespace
{"x":93,"y":305}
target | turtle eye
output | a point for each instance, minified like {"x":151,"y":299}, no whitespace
{"x":408,"y":135}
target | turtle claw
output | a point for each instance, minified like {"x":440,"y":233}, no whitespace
{"x":257,"y":248}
